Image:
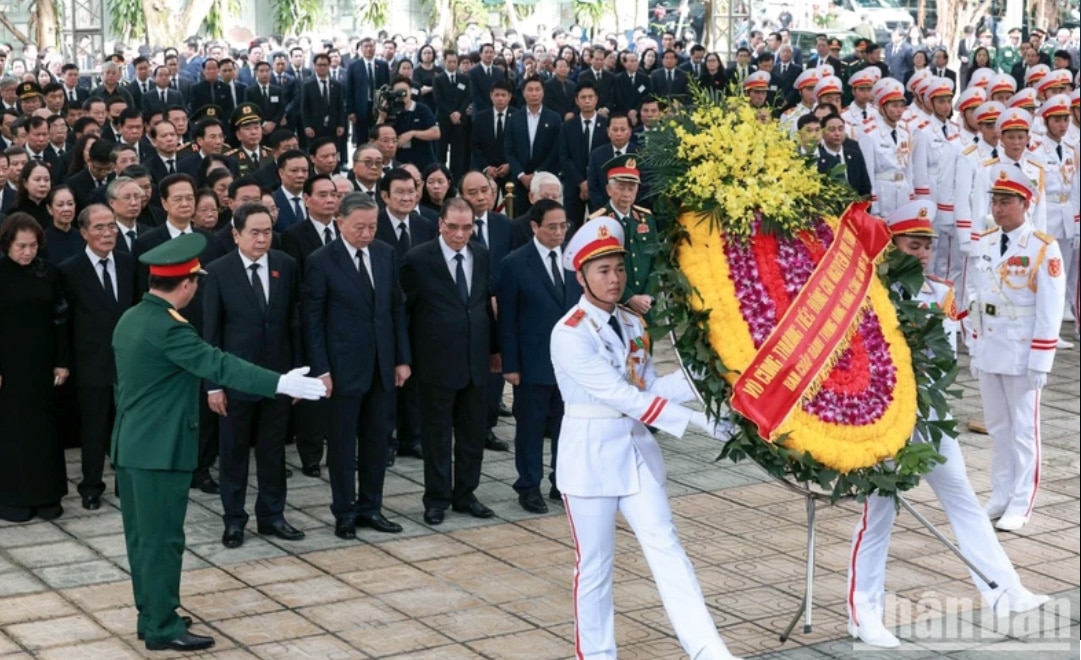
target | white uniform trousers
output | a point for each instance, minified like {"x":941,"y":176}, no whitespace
{"x":947,"y":262}
{"x":593,"y":526}
{"x":1011,"y":411}
{"x":975,"y":535}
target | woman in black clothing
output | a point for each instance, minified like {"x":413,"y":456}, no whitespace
{"x":33,"y":362}
{"x":33,"y":187}
{"x":715,"y":78}
{"x":424,"y":74}
{"x":62,"y":237}
{"x":80,"y":153}
{"x":437,"y":187}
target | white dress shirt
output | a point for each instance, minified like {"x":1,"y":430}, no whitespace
{"x":452,"y":263}
{"x":95,"y":261}
{"x":543,"y":252}
{"x":362,"y":253}
{"x":174,"y":232}
{"x":264,"y":272}
{"x":481,"y":230}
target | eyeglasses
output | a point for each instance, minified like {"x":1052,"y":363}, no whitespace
{"x":556,"y":227}
{"x":368,"y":162}
{"x":103,"y":229}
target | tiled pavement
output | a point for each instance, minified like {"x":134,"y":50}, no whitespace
{"x":501,"y":588}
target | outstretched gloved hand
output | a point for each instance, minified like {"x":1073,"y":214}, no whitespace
{"x":297,"y":385}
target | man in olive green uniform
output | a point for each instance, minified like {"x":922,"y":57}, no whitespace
{"x":638,"y":226}
{"x":160,"y":362}
{"x":1010,"y":54}
{"x":248,"y":128}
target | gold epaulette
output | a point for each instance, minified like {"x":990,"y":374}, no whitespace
{"x":988,"y":232}
{"x":641,"y":319}
{"x":1043,"y":236}
{"x":643,"y":209}
{"x":574,"y":319}
{"x":176,"y":316}
{"x":599,"y":213}
{"x":989,"y":162}
{"x":1036,"y":163}
{"x":969,"y":149}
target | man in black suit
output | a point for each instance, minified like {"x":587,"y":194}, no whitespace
{"x":822,"y":55}
{"x":142,"y":82}
{"x":939,"y":61}
{"x":269,"y":97}
{"x":162,"y":161}
{"x":603,"y":81}
{"x":99,"y":285}
{"x":836,"y":149}
{"x":126,"y":201}
{"x":322,"y":103}
{"x":668,"y":81}
{"x":355,"y":329}
{"x":451,"y":319}
{"x":367,"y":170}
{"x":161,"y":95}
{"x":534,"y":291}
{"x":363,"y":78}
{"x":532,"y":139}
{"x":618,"y":143}
{"x":785,"y":72}
{"x":452,"y":96}
{"x":210,"y":90}
{"x":489,"y":128}
{"x":631,"y":88}
{"x":74,"y":94}
{"x":739,"y":70}
{"x":482,"y":76}
{"x":98,"y":172}
{"x":695,"y":67}
{"x":559,"y":90}
{"x":579,"y":136}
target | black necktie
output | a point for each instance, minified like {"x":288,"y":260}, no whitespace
{"x":585,"y":132}
{"x":297,"y":210}
{"x":499,"y":128}
{"x":945,"y":132}
{"x":131,"y":239}
{"x":326,"y":96}
{"x":403,"y":239}
{"x":459,"y":276}
{"x":371,"y":82}
{"x":451,"y":78}
{"x":1058,"y":150}
{"x":1004,"y":245}
{"x":557,"y":274}
{"x":614,"y":325}
{"x":107,"y":280}
{"x":257,"y":289}
{"x":328,"y":235}
{"x":480,"y":232}
{"x":893,"y":134}
{"x":865,"y":113}
{"x":365,"y":276}
{"x":71,"y":96}
{"x":169,"y":164}
{"x":163,"y":98}
{"x":994,"y":152}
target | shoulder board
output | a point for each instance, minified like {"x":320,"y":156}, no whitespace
{"x":1034,"y":162}
{"x":231,"y":152}
{"x":641,"y":209}
{"x":599,"y":213}
{"x":923,"y":124}
{"x":969,"y":149}
{"x":1045,"y":237}
{"x":989,"y":162}
{"x":989,"y":231}
{"x":176,"y":316}
{"x":939,"y":280}
{"x":628,"y":310}
{"x":870,"y":129}
{"x":574,"y":319}
{"x":955,"y":136}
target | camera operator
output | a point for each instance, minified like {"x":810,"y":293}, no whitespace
{"x":415,"y":124}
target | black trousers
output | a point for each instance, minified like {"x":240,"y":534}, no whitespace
{"x":495,"y":397}
{"x":97,"y":410}
{"x":260,"y":424}
{"x":208,"y":442}
{"x":460,"y":412}
{"x":538,"y":410}
{"x":455,"y":139}
{"x":310,"y":425}
{"x":408,"y":418}
{"x":357,"y":449}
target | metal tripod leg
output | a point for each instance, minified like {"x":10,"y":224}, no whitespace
{"x":945,"y":541}
{"x":805,"y":604}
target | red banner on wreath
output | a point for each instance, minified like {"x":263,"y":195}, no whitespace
{"x":798,"y":352}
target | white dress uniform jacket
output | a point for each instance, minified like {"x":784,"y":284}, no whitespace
{"x":934,"y":157}
{"x":968,"y":200}
{"x":1033,"y":169}
{"x":889,"y":166}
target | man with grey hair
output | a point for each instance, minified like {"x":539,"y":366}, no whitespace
{"x":126,"y":200}
{"x":358,"y":345}
{"x":544,"y":185}
{"x":110,"y":87}
{"x":8,"y":98}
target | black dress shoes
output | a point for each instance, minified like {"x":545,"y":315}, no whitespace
{"x":555,"y":495}
{"x":390,"y":459}
{"x":310,"y":471}
{"x":379,"y":523}
{"x":495,"y":444}
{"x":533,"y":502}
{"x":288,"y":473}
{"x":208,"y":486}
{"x":345,"y":530}
{"x":186,"y":642}
{"x":475,"y":509}
{"x":433,"y":516}
{"x":282,"y":530}
{"x":91,"y":502}
{"x":411,"y":450}
{"x":185,"y":619}
{"x":233,"y":536}
{"x":504,"y":411}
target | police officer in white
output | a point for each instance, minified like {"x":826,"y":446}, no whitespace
{"x":609,"y":462}
{"x":887,"y":147}
{"x":934,"y":155}
{"x":1015,"y":287}
{"x":1059,"y":165}
{"x":969,"y":200}
{"x":912,"y":234}
{"x":1014,"y":126}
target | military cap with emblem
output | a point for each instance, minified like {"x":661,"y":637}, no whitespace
{"x":1059,"y":78}
{"x":971,"y":99}
{"x":1014,"y":119}
{"x":938,"y":88}
{"x":981,"y":78}
{"x":807,"y":78}
{"x":989,"y":112}
{"x":865,"y":77}
{"x":245,"y":113}
{"x":623,"y":168}
{"x":1056,"y":106}
{"x":758,"y":80}
{"x":1001,"y":84}
{"x":209,"y":111}
{"x":1036,"y":73}
{"x":176,"y":258}
{"x":1024,"y":98}
{"x":913,"y":219}
{"x":28,"y":90}
{"x":600,"y":237}
{"x":1010,"y":180}
{"x":828,"y":85}
{"x":1014,"y":31}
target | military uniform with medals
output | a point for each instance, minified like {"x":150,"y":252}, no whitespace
{"x":638,"y":226}
{"x":247,"y":162}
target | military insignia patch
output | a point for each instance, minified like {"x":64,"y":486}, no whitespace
{"x":1054,"y":267}
{"x":177,"y":317}
{"x":574,"y":319}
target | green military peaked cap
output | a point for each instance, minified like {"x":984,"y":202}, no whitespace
{"x":245,"y":113}
{"x":176,"y":258}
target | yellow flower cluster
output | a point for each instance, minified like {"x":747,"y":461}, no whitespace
{"x":837,"y":446}
{"x":739,"y":166}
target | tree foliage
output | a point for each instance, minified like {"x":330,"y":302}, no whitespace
{"x":296,"y":16}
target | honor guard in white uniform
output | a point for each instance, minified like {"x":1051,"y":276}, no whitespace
{"x":1073,"y":134}
{"x":917,"y":115}
{"x":912,"y":232}
{"x":967,"y":103}
{"x":981,"y":78}
{"x":609,"y":462}
{"x":1002,"y":88}
{"x":1014,"y":137}
{"x":1059,"y":164}
{"x":1075,"y":267}
{"x":1016,"y":283}
{"x":887,"y":147}
{"x":861,"y":113}
{"x":805,"y":87}
{"x":935,"y":149}
{"x":969,"y":200}
{"x":829,"y":90}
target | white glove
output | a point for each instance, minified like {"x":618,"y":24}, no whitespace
{"x":1037,"y":379}
{"x":299,"y":386}
{"x":722,"y":430}
{"x":973,"y":370}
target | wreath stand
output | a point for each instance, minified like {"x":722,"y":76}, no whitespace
{"x":811,"y":498}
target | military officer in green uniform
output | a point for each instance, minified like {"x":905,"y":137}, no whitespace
{"x":160,"y":362}
{"x":247,"y":124}
{"x":1010,"y":54}
{"x":638,"y":226}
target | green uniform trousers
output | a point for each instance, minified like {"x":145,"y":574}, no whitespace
{"x":153,"y":504}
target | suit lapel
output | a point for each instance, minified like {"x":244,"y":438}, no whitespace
{"x":124,"y":279}
{"x":348,"y":266}
{"x":274,"y":281}
{"x":439,"y":267}
{"x":243,"y":280}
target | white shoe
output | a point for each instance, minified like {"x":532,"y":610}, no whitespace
{"x":1011,"y":522}
{"x":994,"y":511}
{"x":1016,"y":600}
{"x":873,"y":633}
{"x":713,"y":653}
{"x":1062,"y":343}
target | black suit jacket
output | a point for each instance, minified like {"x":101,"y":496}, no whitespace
{"x":574,"y":152}
{"x":451,"y":98}
{"x":299,"y":241}
{"x":421,"y":230}
{"x":93,"y":315}
{"x":559,"y":96}
{"x":358,"y":87}
{"x":481,"y":85}
{"x":544,"y":154}
{"x":58,"y":165}
{"x":82,"y":188}
{"x":322,"y":116}
{"x":233,"y":322}
{"x":604,"y":86}
{"x":271,"y":105}
{"x":855,"y":166}
{"x":484,"y":148}
{"x":155,"y":237}
{"x":122,"y":240}
{"x":677,"y":89}
{"x":151,"y":102}
{"x":630,"y":91}
{"x":498,"y":226}
{"x":451,"y":340}
{"x":688,"y":68}
{"x":354,"y":332}
{"x":207,"y":93}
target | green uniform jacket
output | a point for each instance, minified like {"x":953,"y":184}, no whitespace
{"x":160,"y":361}
{"x":1008,"y":56}
{"x":245,"y":166}
{"x":640,"y":239}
